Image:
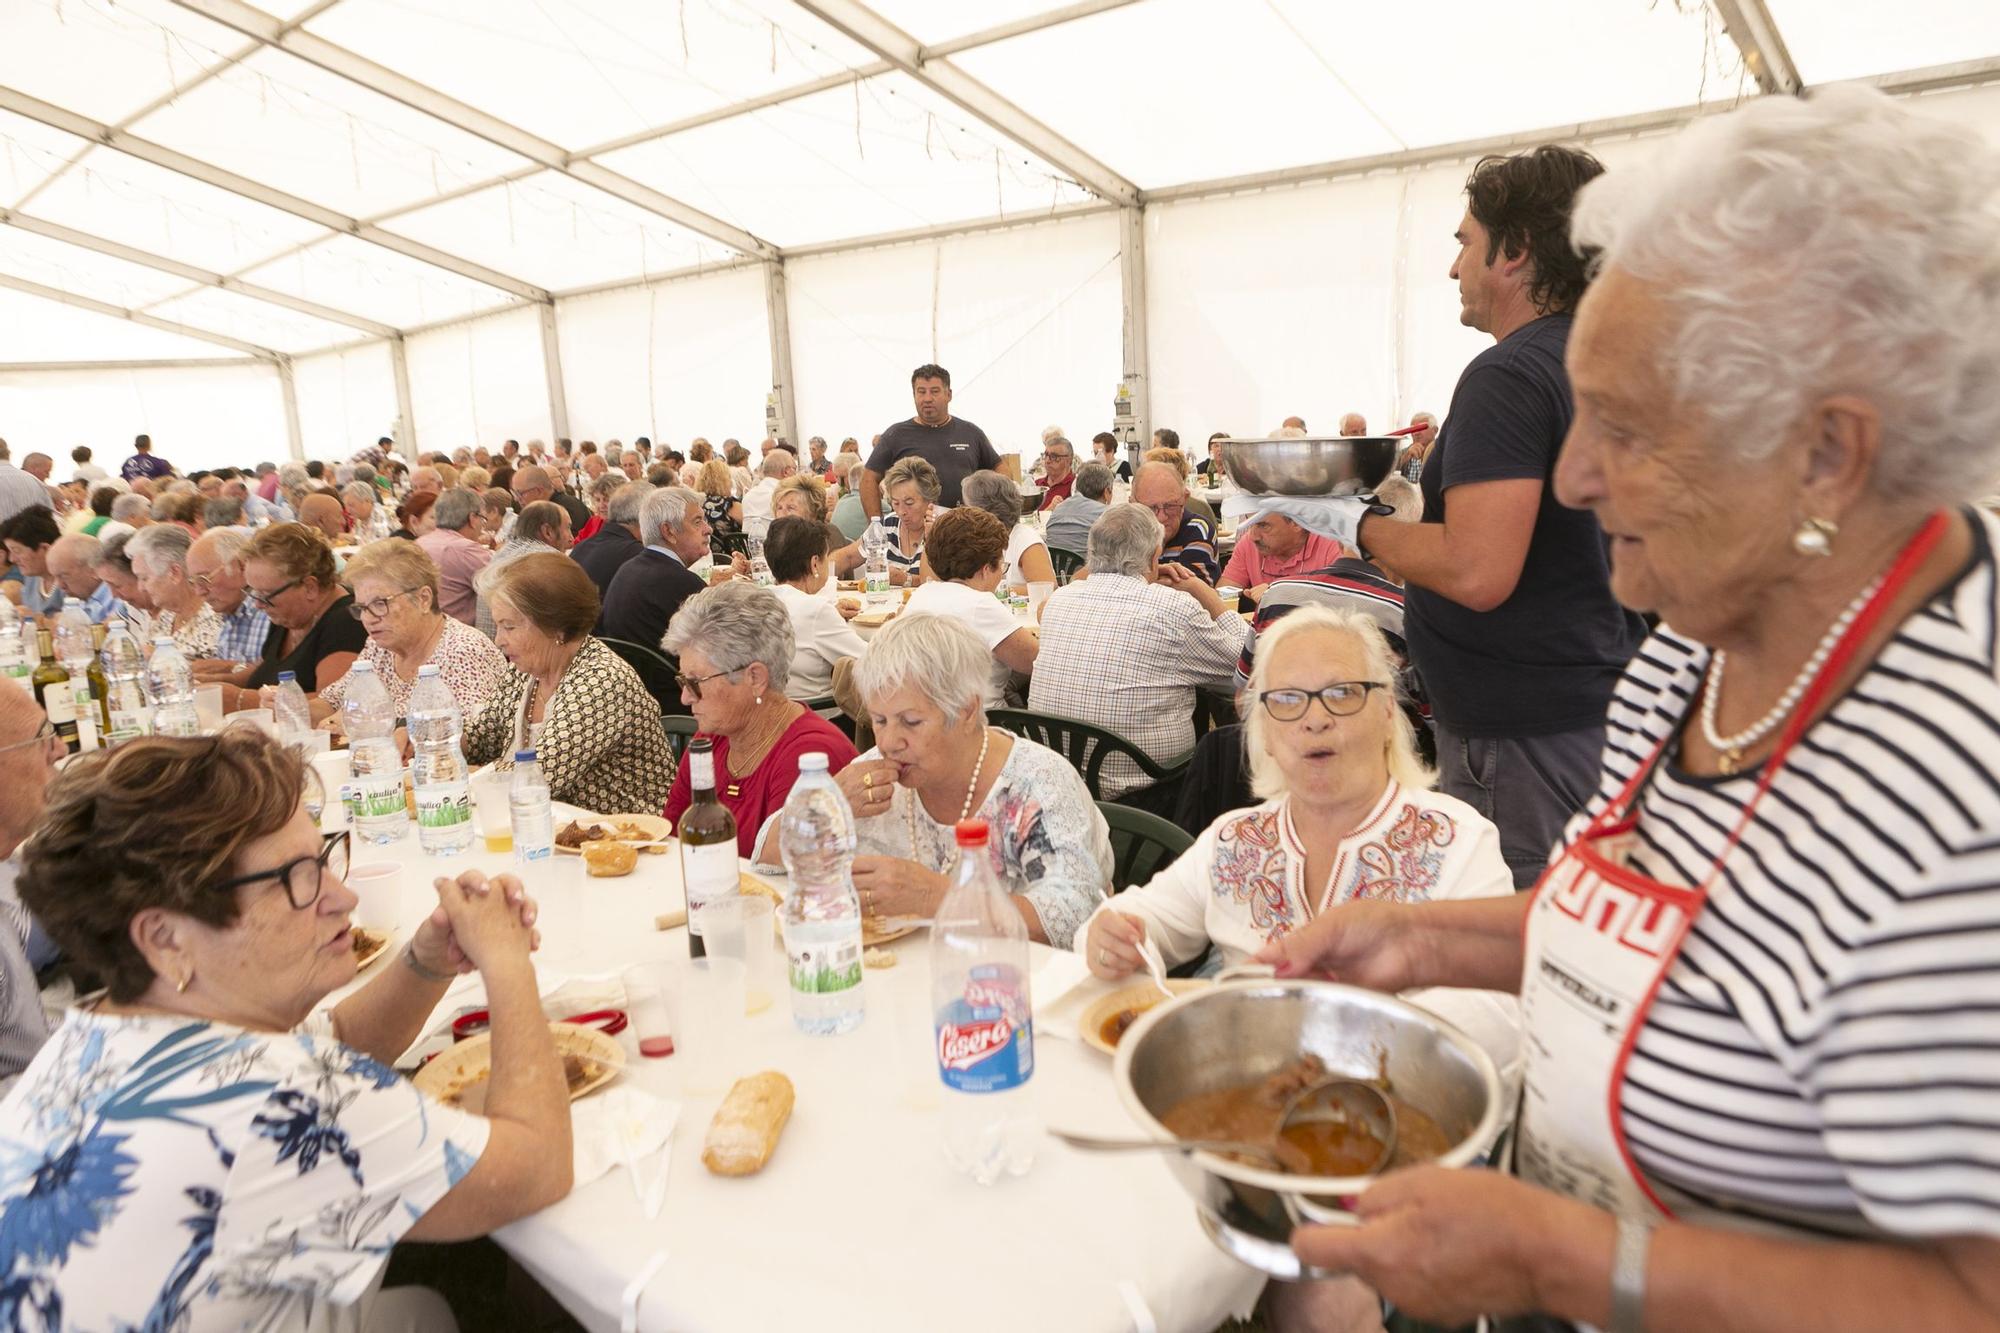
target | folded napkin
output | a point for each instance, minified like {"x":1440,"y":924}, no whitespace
{"x":620,"y":1124}
{"x":1061,"y":988}
{"x":1335,"y":516}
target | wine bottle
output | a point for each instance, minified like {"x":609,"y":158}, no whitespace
{"x":708,"y":843}
{"x":52,"y":690}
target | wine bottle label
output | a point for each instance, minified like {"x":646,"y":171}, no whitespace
{"x":709,"y":872}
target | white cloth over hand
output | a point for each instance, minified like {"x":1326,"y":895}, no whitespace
{"x":1335,"y":516}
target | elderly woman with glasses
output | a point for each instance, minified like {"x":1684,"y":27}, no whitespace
{"x":595,"y":730}
{"x":734,"y":643}
{"x":160,"y":560}
{"x":206,"y":1146}
{"x":288,"y":574}
{"x":936,"y":761}
{"x":396,"y":601}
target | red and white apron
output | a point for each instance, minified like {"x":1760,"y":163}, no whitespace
{"x":1599,"y":940}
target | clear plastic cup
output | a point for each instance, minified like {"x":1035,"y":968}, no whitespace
{"x":708,"y":1023}
{"x":208,"y":708}
{"x":491,"y":811}
{"x":742,"y":926}
{"x":649,"y":1007}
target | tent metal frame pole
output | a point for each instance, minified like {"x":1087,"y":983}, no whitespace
{"x":889,"y":42}
{"x":98,"y":367}
{"x":365,"y":73}
{"x":399,"y":363}
{"x":70,"y":122}
{"x":98,"y":307}
{"x":1750,"y":25}
{"x":1137,"y":369}
{"x":289,"y":386}
{"x":778,"y":319}
{"x":552,"y":366}
{"x":146,"y":259}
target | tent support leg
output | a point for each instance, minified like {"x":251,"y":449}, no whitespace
{"x":1137,"y":375}
{"x":406,"y":416}
{"x":290,"y":388}
{"x":552,"y":364}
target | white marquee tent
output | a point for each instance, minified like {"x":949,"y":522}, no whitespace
{"x":290,"y":229}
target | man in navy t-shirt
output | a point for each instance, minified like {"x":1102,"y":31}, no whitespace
{"x":952,"y":445}
{"x":144,"y":462}
{"x":1508,"y":609}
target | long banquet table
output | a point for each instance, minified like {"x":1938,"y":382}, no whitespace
{"x":858,"y":1222}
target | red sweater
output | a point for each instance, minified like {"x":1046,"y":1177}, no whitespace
{"x":761,"y":794}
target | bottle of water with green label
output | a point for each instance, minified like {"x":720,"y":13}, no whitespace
{"x":380,"y":816}
{"x":437,"y":770}
{"x":822,"y":912}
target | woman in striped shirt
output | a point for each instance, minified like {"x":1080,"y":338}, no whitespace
{"x":1759,"y":980}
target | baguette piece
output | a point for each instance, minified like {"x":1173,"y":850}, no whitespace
{"x":745,"y":1130}
{"x":608,"y":860}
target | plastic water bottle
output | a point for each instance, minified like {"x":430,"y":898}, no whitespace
{"x":528,"y":810}
{"x":874,"y":562}
{"x":125,"y":685}
{"x":290,"y":709}
{"x":437,"y":770}
{"x":171,"y":683}
{"x":369,"y":715}
{"x":74,"y":651}
{"x":760,"y":568}
{"x":822,"y":912}
{"x":984,"y":1016}
{"x":15,"y":659}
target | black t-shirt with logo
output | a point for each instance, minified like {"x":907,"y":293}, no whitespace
{"x":1546,"y":659}
{"x":957,"y":449}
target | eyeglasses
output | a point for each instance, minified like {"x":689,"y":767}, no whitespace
{"x":265,"y":599}
{"x":304,"y":878}
{"x":1341,"y":699}
{"x":692,"y":684}
{"x":377,"y":608}
{"x":43,"y":735}
{"x":1170,"y":509}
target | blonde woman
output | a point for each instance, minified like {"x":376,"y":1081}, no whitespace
{"x":719,"y":501}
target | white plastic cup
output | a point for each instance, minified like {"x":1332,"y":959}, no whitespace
{"x":1037,"y":594}
{"x":743,"y":926}
{"x":649,"y":1007}
{"x":379,"y":886}
{"x":208,"y":708}
{"x":492,"y":811}
{"x":708,"y":1023}
{"x":334,"y":769}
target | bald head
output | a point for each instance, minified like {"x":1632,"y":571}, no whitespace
{"x":426,"y":481}
{"x":322,"y":512}
{"x":37,"y":466}
{"x":25,"y":769}
{"x":531,"y":484}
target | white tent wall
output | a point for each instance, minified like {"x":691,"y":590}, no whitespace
{"x":1026,"y":320}
{"x":671,"y":360}
{"x":347,"y":400}
{"x":198,"y":416}
{"x":480,"y":382}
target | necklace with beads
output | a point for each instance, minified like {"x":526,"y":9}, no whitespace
{"x":1730,"y":749}
{"x":965,"y":810}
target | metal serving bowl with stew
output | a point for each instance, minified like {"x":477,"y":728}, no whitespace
{"x":1312,"y":465}
{"x":1242,"y":1032}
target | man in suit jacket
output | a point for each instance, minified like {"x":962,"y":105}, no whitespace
{"x":605,"y":552}
{"x":650,"y":587}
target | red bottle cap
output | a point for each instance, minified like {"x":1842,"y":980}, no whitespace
{"x":971,"y":832}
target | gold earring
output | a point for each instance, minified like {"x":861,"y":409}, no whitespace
{"x":1814,"y":538}
{"x":180,"y":987}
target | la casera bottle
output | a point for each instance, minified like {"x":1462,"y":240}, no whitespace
{"x":708,"y":843}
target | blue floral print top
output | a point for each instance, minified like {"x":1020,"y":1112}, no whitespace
{"x":160,"y":1172}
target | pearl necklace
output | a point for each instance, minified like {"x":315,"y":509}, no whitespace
{"x":965,"y":810}
{"x":1731,"y":748}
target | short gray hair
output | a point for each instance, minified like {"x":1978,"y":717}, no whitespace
{"x":1406,"y":765}
{"x":666,"y":507}
{"x":229,"y":543}
{"x":604,"y":486}
{"x":996,"y":494}
{"x":455,"y":508}
{"x":625,"y":502}
{"x":940,"y":657}
{"x":734,"y":624}
{"x":1093,"y":481}
{"x":1124,"y":540}
{"x":358,"y":490}
{"x":291,"y":476}
{"x":222,"y":512}
{"x":780,"y":463}
{"x":160,"y":547}
{"x":1845,"y":242}
{"x":131,"y":506}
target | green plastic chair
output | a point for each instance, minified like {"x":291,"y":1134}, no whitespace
{"x":1066,"y":563}
{"x":1142,"y":845}
{"x":1085,"y":746}
{"x":680,"y":730}
{"x":655,"y":669}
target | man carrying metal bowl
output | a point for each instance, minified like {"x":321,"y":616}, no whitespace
{"x":1759,"y":979}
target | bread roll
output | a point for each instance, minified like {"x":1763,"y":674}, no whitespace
{"x":608,"y":859}
{"x":745,"y":1130}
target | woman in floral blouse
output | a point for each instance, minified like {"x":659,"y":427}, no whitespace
{"x":201,"y":1149}
{"x":936,"y":762}
{"x":159,"y":555}
{"x":595,"y":730}
{"x":396,"y":600}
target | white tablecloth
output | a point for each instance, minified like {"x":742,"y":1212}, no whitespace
{"x":858,"y":1222}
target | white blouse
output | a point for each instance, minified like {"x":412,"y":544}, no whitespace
{"x":991,"y":621}
{"x":1024,"y":538}
{"x":820,"y":637}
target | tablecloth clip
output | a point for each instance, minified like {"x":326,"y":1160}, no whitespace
{"x":1142,"y":1317}
{"x":628,"y":1319}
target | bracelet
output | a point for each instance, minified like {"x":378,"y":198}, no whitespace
{"x":428,"y":974}
{"x":1628,"y":1275}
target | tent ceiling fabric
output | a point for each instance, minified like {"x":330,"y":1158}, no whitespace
{"x":289,"y":175}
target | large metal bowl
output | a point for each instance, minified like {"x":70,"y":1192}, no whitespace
{"x":1313,"y":465}
{"x":1241,"y":1032}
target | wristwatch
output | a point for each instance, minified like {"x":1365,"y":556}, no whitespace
{"x":1628,"y":1275}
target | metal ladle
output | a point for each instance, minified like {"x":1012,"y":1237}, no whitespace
{"x":1346,"y":1101}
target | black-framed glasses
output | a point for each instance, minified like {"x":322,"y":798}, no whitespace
{"x":1343,"y":698}
{"x":692,"y":684}
{"x":304,"y":878}
{"x":264,"y":599}
{"x":377,"y":608}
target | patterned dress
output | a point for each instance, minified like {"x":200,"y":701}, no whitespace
{"x":471,"y":666}
{"x":601,"y":747}
{"x":1049,"y":842}
{"x":160,"y":1172}
{"x":196,"y":636}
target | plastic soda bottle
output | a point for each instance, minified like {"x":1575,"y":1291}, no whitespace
{"x":874,"y":562}
{"x":290,"y":710}
{"x":984,"y":1018}
{"x":528,"y":811}
{"x":438,"y":774}
{"x":171,"y":683}
{"x":822,"y":912}
{"x":380,"y":815}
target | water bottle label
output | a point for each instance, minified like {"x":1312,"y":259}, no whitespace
{"x":378,"y":796}
{"x":824,"y":967}
{"x":18,"y":670}
{"x":986,"y":1037}
{"x":709,"y":872}
{"x":524,"y":853}
{"x":443,"y":807}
